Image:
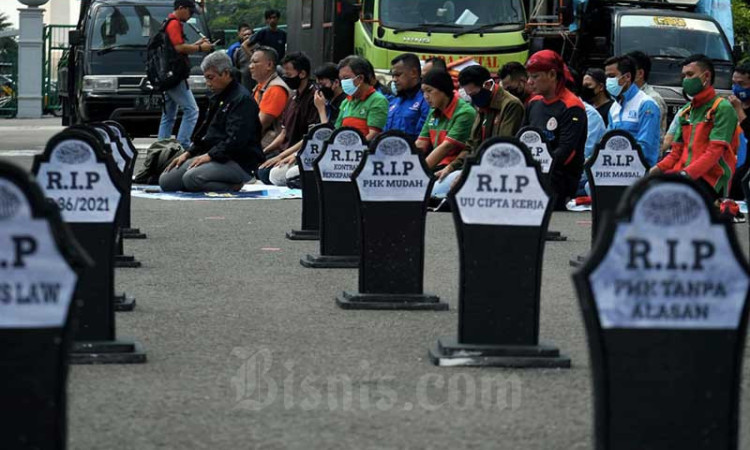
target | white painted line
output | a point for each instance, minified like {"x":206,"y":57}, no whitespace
{"x":10,"y":153}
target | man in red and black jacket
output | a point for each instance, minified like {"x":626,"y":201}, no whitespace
{"x":560,"y":114}
{"x":180,"y":95}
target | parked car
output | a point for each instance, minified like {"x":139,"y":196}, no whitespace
{"x":104,"y":73}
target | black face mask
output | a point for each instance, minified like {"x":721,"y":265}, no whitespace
{"x":293,"y":83}
{"x":482,"y":98}
{"x":587,"y":94}
{"x":518,"y":93}
{"x":327,"y":92}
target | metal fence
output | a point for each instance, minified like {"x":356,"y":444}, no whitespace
{"x":55,"y":47}
{"x":8,"y":86}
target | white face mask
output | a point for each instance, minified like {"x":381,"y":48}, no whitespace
{"x":348,"y":86}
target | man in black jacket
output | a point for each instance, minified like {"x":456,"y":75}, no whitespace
{"x":561,"y":116}
{"x":226,"y":149}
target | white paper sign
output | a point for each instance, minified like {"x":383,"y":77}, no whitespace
{"x":617,"y":164}
{"x":502,"y":190}
{"x":341,"y":157}
{"x":119,"y":160}
{"x":393,"y":173}
{"x":670,"y":267}
{"x":79,"y":184}
{"x":36,"y":282}
{"x":538,"y":149}
{"x":313,"y":147}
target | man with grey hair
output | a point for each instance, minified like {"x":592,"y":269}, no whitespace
{"x":226,"y":149}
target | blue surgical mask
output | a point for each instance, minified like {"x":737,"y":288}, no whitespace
{"x":741,"y":93}
{"x":348,"y":86}
{"x":613,"y":86}
{"x":392,"y":87}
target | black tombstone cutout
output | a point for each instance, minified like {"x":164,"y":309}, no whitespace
{"x":131,"y":154}
{"x":539,"y":148}
{"x":664,"y":300}
{"x":339,"y":222}
{"x":39,"y":263}
{"x":82,"y":180}
{"x":617,"y":163}
{"x":311,"y":147}
{"x":111,"y":144}
{"x":392,"y":183}
{"x":501,"y":207}
{"x":123,"y":302}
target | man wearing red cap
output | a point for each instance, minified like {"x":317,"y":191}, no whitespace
{"x":560,"y":114}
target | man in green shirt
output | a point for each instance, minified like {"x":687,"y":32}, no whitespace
{"x":364,"y":108}
{"x":448,"y":126}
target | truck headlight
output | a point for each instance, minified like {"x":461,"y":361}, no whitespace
{"x":197,"y":83}
{"x":99,"y":83}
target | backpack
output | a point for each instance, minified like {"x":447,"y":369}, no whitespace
{"x":158,"y":156}
{"x":165,"y":68}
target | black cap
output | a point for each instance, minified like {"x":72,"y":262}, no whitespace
{"x":187,"y":4}
{"x":440,"y":80}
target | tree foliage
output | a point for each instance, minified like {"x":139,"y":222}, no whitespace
{"x":741,"y":17}
{"x":8,"y":45}
{"x":227,"y":14}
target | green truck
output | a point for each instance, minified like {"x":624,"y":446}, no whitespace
{"x":492,"y":32}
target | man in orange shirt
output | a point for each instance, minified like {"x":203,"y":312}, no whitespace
{"x":180,"y":95}
{"x":271,"y":93}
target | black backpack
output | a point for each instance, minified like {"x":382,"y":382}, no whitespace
{"x":165,"y":68}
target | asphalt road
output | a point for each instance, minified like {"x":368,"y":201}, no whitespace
{"x":247,"y":349}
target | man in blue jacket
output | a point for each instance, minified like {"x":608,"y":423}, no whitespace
{"x":408,"y":109}
{"x":633,"y":110}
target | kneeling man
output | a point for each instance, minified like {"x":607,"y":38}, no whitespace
{"x":226,"y":149}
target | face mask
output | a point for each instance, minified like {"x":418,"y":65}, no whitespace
{"x":482,"y":98}
{"x":293,"y":83}
{"x":740,"y":92}
{"x":692,"y":86}
{"x":613,"y":86}
{"x":519,"y":93}
{"x":587,"y":93}
{"x":392,"y":87}
{"x":348,"y":86}
{"x":327,"y":92}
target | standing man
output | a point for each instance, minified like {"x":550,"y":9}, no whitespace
{"x":240,"y":56}
{"x":633,"y":110}
{"x":244,"y":31}
{"x":408,"y":109}
{"x":515,"y":80}
{"x":643,"y":70}
{"x":180,"y":95}
{"x":272,"y":36}
{"x":561,"y":116}
{"x":271,"y":93}
{"x":705,"y":141}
